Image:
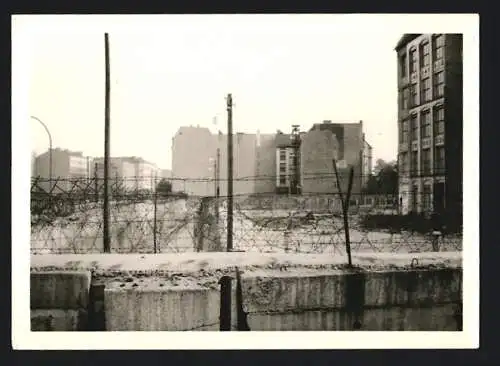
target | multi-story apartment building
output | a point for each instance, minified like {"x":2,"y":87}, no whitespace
{"x":67,"y":166}
{"x":271,"y":163}
{"x":288,"y":163}
{"x":367,"y":164}
{"x":194,"y":153}
{"x":191,"y":149}
{"x":430,"y":123}
{"x":347,"y":145}
{"x":266,"y":170}
{"x":319,"y":149}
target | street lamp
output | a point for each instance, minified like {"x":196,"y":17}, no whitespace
{"x":50,"y":145}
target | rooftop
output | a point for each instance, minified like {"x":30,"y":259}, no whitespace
{"x":405,"y":39}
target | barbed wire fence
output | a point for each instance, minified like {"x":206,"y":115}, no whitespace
{"x":66,"y":217}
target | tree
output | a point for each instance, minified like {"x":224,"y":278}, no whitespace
{"x":384,"y":179}
{"x":164,"y":187}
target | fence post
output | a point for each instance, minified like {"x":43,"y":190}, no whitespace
{"x":435,"y":240}
{"x":155,"y":199}
{"x":96,"y":184}
{"x":345,"y":209}
{"x":225,"y":303}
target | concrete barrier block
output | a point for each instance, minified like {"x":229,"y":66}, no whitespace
{"x":57,"y":320}
{"x":413,"y":287}
{"x":60,"y":290}
{"x":396,"y":318}
{"x":435,"y":318}
{"x":158,"y":309}
{"x":304,"y":321}
{"x":279,"y":291}
{"x":276,"y":291}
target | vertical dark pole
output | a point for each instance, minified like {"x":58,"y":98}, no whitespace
{"x":217,"y":177}
{"x":106,"y":238}
{"x":154,"y":220}
{"x":229,"y":172}
{"x":346,"y":216}
{"x":345,"y":208}
{"x":217,"y":186}
{"x":225,"y":303}
{"x":96,"y":184}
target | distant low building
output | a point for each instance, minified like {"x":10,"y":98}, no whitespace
{"x":67,"y":166}
{"x":135,"y":172}
{"x":165,"y":173}
{"x":121,"y":172}
{"x":367,"y":161}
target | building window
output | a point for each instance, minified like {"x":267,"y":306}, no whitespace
{"x":414,"y":162}
{"x":439,"y":162}
{"x":426,"y":90}
{"x":414,"y":198}
{"x":282,"y":155}
{"x":405,"y":99}
{"x":427,"y":198}
{"x":402,"y":65}
{"x":403,"y":162}
{"x":404,"y":131}
{"x":426,"y":161}
{"x":282,"y":180}
{"x":413,"y":95}
{"x":439,"y":84}
{"x":425,"y":124}
{"x":282,"y":168}
{"x":438,"y":121}
{"x":438,"y":47}
{"x":414,"y":127}
{"x":413,"y":61}
{"x":425,"y":54}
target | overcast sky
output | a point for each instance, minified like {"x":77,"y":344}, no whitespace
{"x":281,"y":70}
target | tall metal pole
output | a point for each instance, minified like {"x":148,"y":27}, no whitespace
{"x":217,"y":177}
{"x":50,"y":145}
{"x":229,"y":172}
{"x":106,"y":237}
{"x":217,"y":188}
{"x":155,"y":201}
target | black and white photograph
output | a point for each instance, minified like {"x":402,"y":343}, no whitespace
{"x":246,"y":173}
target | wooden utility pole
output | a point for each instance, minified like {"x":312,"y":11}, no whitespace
{"x":106,"y":237}
{"x":217,"y":184}
{"x":217,"y":176}
{"x":229,"y":172}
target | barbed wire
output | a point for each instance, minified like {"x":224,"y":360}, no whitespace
{"x":262,"y":177}
{"x":71,"y":221}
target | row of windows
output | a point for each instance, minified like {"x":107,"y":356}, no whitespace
{"x":426,"y":197}
{"x":425,"y":125}
{"x":405,"y":165}
{"x":425,"y":55}
{"x":409,"y":95}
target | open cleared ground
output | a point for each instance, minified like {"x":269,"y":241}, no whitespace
{"x":132,"y":227}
